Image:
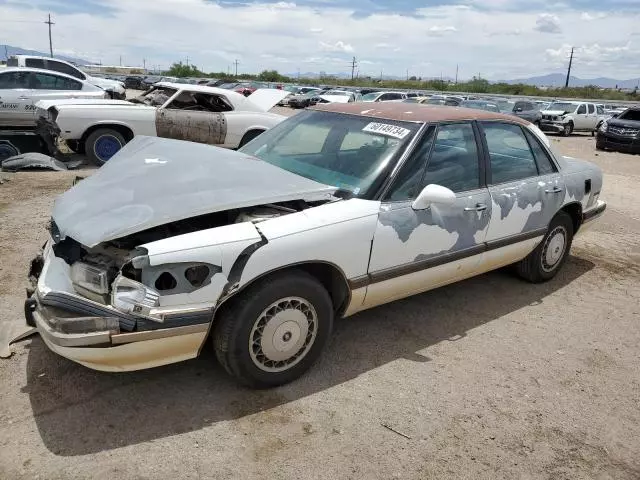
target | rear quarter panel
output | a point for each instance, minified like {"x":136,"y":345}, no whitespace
{"x":74,"y":120}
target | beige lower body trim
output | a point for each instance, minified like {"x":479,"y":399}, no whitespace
{"x":136,"y":355}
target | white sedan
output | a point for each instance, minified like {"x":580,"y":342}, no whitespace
{"x":336,"y":210}
{"x":171,"y":110}
{"x":21,"y":88}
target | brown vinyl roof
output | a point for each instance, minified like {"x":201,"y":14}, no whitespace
{"x":414,"y":112}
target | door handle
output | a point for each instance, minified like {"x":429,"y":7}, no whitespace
{"x":554,"y":190}
{"x":23,"y":98}
{"x":478,"y":208}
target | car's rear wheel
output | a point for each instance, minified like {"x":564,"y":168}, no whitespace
{"x":546,"y":260}
{"x":103,"y":144}
{"x":274,"y":331}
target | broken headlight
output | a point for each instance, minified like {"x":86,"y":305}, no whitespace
{"x":90,"y":278}
{"x":133,"y":297}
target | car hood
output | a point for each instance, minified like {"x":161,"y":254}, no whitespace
{"x":154,"y":181}
{"x":106,"y":84}
{"x":618,"y":122}
{"x":265,"y":99}
{"x":554,"y":112}
{"x":335,"y":98}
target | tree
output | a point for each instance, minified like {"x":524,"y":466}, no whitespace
{"x":412,"y":78}
{"x":182,"y":70}
{"x":271,"y":76}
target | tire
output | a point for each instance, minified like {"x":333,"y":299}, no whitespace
{"x":537,"y":123}
{"x":250,"y":135}
{"x":262,"y":364}
{"x":599,"y":145}
{"x":102,"y":144}
{"x":75,"y":146}
{"x":568,"y":129}
{"x":547,"y":259}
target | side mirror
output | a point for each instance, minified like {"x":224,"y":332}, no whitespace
{"x":517,"y":109}
{"x":433,"y":194}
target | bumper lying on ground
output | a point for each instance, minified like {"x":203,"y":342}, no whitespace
{"x":111,"y":340}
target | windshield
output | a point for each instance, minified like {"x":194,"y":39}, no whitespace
{"x":370,"y":97}
{"x":506,"y":106}
{"x":350,"y":152}
{"x":564,"y":106}
{"x":630,"y":114}
{"x":228,"y":86}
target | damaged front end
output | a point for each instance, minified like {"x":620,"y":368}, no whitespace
{"x":146,"y":299}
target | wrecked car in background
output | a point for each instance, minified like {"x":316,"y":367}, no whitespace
{"x":335,"y":210}
{"x":185,"y":112}
{"x":620,"y":132}
{"x":22,"y":88}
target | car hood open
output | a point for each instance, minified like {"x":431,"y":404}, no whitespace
{"x":154,"y":181}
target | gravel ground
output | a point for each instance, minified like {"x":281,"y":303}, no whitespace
{"x":489,"y":378}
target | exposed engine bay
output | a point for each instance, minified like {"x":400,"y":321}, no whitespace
{"x":100,"y":271}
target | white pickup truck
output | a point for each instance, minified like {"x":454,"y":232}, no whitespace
{"x":568,"y":117}
{"x":171,"y":110}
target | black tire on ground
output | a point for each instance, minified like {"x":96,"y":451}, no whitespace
{"x":75,"y":146}
{"x":268,"y":319}
{"x":250,"y":135}
{"x":95,"y":137}
{"x":568,"y":129}
{"x":537,"y":123}
{"x":599,"y":145}
{"x":547,"y":259}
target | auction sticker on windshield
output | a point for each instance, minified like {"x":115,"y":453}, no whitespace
{"x":387,"y":129}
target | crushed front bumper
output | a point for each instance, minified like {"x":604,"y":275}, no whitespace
{"x":115,"y":341}
{"x":49,"y":132}
{"x":550,"y":126}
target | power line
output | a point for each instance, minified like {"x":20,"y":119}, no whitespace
{"x":49,"y":22}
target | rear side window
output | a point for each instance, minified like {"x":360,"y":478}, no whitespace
{"x":592,"y":108}
{"x":545,"y":164}
{"x":64,"y":68}
{"x":454,"y":160}
{"x":34,"y":63}
{"x":46,"y":81}
{"x":511,"y":157}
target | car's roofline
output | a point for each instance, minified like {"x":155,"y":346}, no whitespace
{"x":44,"y":70}
{"x":415,"y":112}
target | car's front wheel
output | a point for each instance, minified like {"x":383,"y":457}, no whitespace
{"x":568,"y":129}
{"x":272,"y":332}
{"x":103,"y":144}
{"x":546,"y":260}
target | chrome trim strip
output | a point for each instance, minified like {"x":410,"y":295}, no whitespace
{"x":156,"y":334}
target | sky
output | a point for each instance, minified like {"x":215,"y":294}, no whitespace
{"x":496,"y":39}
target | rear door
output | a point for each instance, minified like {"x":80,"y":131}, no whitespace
{"x":526,"y":191}
{"x":592,"y":115}
{"x":16,"y":106}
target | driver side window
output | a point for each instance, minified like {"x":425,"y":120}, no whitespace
{"x":582,"y":109}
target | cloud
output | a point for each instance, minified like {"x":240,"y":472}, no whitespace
{"x":588,"y":17}
{"x":548,"y":23}
{"x":316,"y":30}
{"x":339,"y":46}
{"x":438,"y":30}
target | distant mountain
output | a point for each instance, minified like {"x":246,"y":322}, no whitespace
{"x":8,"y":50}
{"x":558,"y":79}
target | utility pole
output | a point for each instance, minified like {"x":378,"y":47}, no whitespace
{"x":566,"y":83}
{"x":120,"y":60}
{"x":236,"y":64}
{"x":456,"y":73}
{"x":49,"y":22}
{"x":353,"y":67}
{"x":144,"y":64}
{"x":407,"y":74}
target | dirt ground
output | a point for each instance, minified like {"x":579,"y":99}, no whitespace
{"x":491,"y":378}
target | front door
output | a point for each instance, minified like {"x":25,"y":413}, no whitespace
{"x":526,"y":191}
{"x":416,"y":250}
{"x":581,"y":118}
